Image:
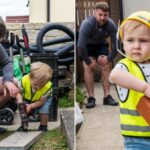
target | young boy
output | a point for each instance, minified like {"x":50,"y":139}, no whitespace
{"x":132,"y":77}
{"x":36,"y":90}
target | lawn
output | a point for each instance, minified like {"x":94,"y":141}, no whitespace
{"x":5,"y":134}
{"x":51,"y":140}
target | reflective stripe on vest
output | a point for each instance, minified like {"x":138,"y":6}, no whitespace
{"x":28,"y":95}
{"x":132,"y":124}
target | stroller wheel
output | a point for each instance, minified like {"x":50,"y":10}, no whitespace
{"x":6,"y":116}
{"x":12,"y":105}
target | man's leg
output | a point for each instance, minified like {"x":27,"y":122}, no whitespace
{"x":89,"y":80}
{"x":105,"y":71}
{"x":89,"y":83}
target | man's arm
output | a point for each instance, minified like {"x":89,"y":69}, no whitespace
{"x":84,"y":34}
{"x":6,"y":65}
{"x":114,"y":51}
{"x":7,"y":68}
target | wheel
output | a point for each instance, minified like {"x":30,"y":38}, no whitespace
{"x":6,"y":116}
{"x":40,"y":38}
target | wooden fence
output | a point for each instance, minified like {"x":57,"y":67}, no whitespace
{"x":84,"y":8}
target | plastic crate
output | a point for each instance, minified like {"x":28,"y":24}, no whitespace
{"x":49,"y":59}
{"x":52,"y":61}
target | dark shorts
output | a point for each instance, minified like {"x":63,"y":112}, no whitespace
{"x":97,"y":50}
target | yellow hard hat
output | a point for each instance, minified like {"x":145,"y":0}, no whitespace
{"x":142,"y":16}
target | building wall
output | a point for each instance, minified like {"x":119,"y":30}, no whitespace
{"x":60,"y":11}
{"x":38,"y":11}
{"x":135,"y":5}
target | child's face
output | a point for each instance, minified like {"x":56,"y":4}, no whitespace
{"x":36,"y":84}
{"x":137,"y":44}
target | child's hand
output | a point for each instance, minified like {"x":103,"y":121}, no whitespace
{"x":147,"y":91}
{"x":28,"y":108}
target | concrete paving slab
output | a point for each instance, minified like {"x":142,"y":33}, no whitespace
{"x":67,"y":125}
{"x":32,"y":125}
{"x":20,"y":140}
{"x":101,"y":127}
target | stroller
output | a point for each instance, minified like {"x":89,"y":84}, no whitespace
{"x":7,"y":112}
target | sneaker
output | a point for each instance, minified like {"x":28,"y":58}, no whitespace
{"x":2,"y":130}
{"x":90,"y":102}
{"x":109,"y":101}
{"x":43,"y":128}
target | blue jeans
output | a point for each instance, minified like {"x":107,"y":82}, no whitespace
{"x":133,"y":143}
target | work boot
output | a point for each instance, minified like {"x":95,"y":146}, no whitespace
{"x":24,"y":116}
{"x":109,"y":101}
{"x":90,"y":102}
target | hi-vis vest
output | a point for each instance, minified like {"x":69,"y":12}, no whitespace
{"x":132,"y":124}
{"x":27,"y":92}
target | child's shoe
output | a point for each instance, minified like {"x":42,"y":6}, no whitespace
{"x":43,"y":128}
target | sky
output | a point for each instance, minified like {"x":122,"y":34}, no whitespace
{"x":13,"y":8}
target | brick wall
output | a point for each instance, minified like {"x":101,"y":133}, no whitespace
{"x":33,"y":29}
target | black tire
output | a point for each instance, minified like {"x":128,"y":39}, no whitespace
{"x":45,"y":29}
{"x":6,"y":116}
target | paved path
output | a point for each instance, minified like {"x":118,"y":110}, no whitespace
{"x":101,"y":128}
{"x":32,"y":125}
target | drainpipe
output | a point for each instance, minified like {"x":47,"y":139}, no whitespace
{"x":121,"y":19}
{"x":121,"y":10}
{"x":48,"y":10}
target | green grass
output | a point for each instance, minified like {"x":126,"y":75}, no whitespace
{"x":51,"y":140}
{"x":64,"y":102}
{"x":80,"y":95}
{"x":5,"y":134}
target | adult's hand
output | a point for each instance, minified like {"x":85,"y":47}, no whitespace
{"x":10,"y":88}
{"x":103,"y":60}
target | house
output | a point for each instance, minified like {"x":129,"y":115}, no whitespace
{"x":51,"y":11}
{"x":42,"y":11}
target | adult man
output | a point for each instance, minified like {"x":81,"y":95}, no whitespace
{"x":7,"y":87}
{"x":93,"y":50}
